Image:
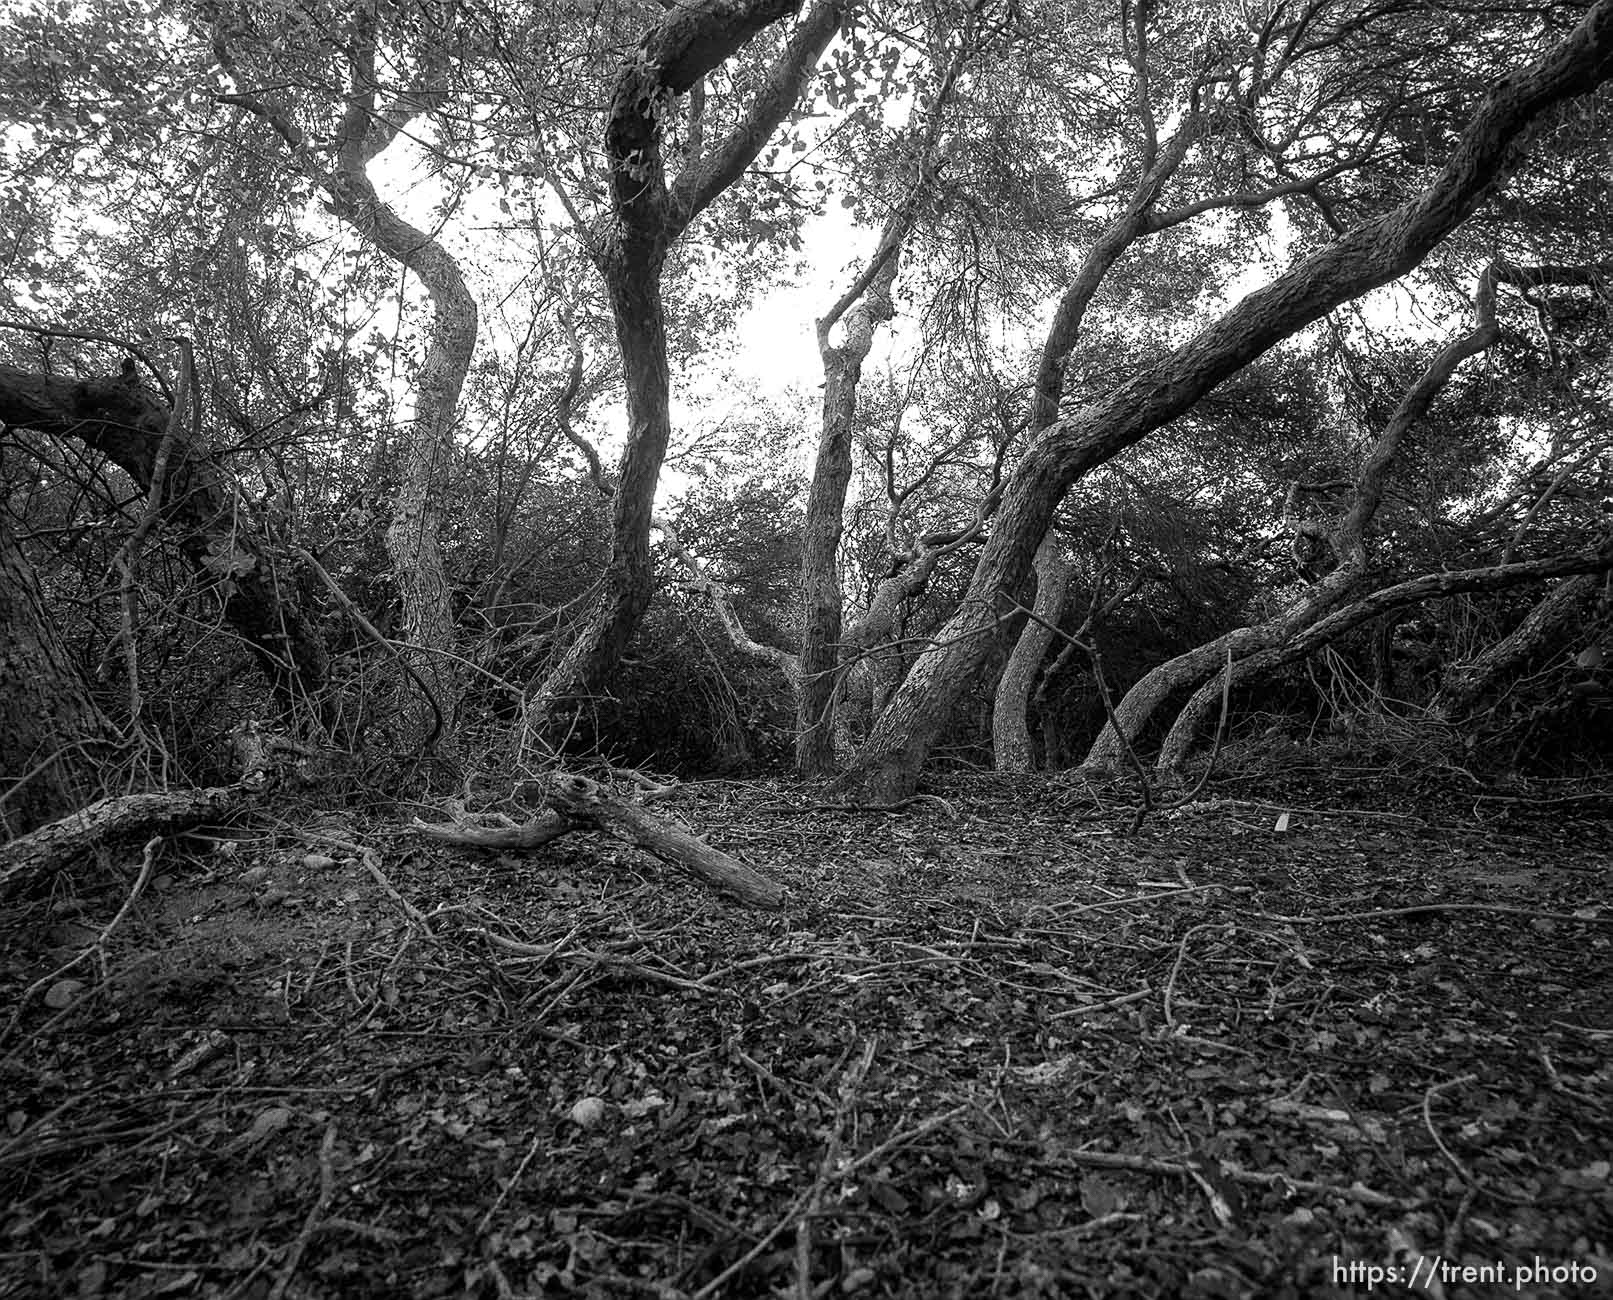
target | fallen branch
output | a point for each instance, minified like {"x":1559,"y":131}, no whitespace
{"x":577,"y":803}
{"x":49,"y":848}
{"x":494,"y":830}
{"x":587,"y":801}
{"x":1183,"y":1169}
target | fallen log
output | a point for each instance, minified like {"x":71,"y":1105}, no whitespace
{"x":587,"y":801}
{"x":52,"y":847}
{"x":49,"y":848}
{"x":577,"y":803}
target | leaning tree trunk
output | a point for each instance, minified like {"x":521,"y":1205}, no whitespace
{"x":1464,"y":683}
{"x":1010,"y":724}
{"x":1349,"y":540}
{"x":1194,"y":719}
{"x":1135,"y":220}
{"x":1374,"y":253}
{"x":52,"y":732}
{"x":126,"y":422}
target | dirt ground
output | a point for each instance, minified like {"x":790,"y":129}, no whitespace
{"x":996,"y":1046}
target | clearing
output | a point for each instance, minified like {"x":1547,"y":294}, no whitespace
{"x":995,"y":1046}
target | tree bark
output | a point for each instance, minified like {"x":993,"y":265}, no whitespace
{"x":1010,"y":720}
{"x":633,"y":281}
{"x":52,"y":846}
{"x":412,"y":538}
{"x":863,"y":308}
{"x":1464,"y":683}
{"x":1370,"y":255}
{"x":52,"y":732}
{"x":125,"y":421}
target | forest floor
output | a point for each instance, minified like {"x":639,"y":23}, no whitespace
{"x":997,"y":1046}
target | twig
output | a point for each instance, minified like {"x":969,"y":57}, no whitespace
{"x":510,"y":1186}
{"x":369,"y":629}
{"x":98,"y":947}
{"x":1176,"y":967}
{"x":1423,"y":909}
{"x":372,"y":863}
{"x":1428,"y":1123}
{"x":827,"y":1173}
{"x":1179,"y":1169}
{"x":327,"y":1189}
{"x":1093,"y":1007}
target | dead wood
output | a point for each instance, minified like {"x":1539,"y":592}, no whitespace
{"x":493,"y":830}
{"x":51,"y":847}
{"x":575,"y":802}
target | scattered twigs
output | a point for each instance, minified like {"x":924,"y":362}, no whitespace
{"x":371,"y":861}
{"x":97,"y":948}
{"x":896,"y":807}
{"x":1426,"y":909}
{"x":821,"y":1184}
{"x":1256,"y":1178}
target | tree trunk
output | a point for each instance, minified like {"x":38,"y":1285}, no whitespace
{"x":824,"y":525}
{"x":413,"y":536}
{"x":1349,"y":539}
{"x":126,"y":422}
{"x":365,"y":130}
{"x":633,"y":279}
{"x":1464,"y":683}
{"x":1372,"y":254}
{"x":1194,"y":718}
{"x":1010,"y":723}
{"x":51,"y":729}
{"x":647,"y":217}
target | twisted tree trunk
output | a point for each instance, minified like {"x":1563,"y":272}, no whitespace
{"x":1196,"y":716}
{"x":1010,"y":714}
{"x":647,"y":217}
{"x":1464,"y":683}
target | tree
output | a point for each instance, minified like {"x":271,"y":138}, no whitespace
{"x":647,"y":217}
{"x":365,"y":128}
{"x":155,"y":445}
{"x":1341,"y":549}
{"x":1374,"y":252}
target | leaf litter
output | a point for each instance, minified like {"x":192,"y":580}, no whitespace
{"x":995,"y":1046}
